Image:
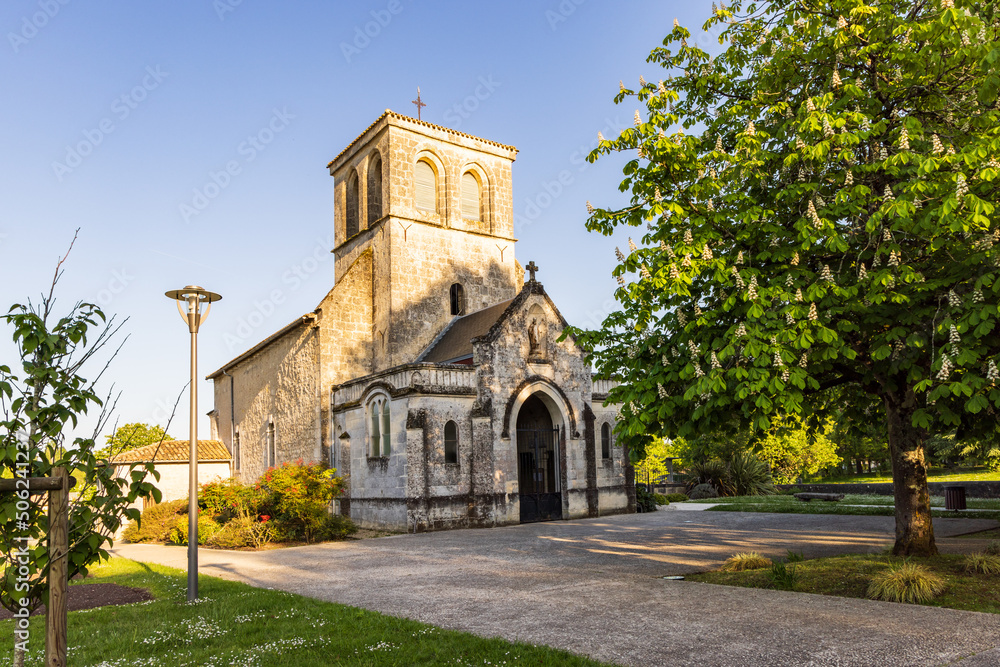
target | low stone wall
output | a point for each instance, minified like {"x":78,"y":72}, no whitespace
{"x":972,"y":489}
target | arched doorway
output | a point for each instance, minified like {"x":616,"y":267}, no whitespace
{"x":538,"y":463}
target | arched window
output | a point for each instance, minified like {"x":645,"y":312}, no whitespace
{"x":386,"y":430}
{"x":272,"y":446}
{"x":374,"y":190}
{"x":606,"y":441}
{"x":457,"y":300}
{"x":380,"y":432}
{"x":451,"y":442}
{"x":425,"y":187}
{"x":353,"y":224}
{"x":470,"y":197}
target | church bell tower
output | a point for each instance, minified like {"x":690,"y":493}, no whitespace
{"x":432,"y":210}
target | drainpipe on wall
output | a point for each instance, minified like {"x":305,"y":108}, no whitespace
{"x":232,"y":421}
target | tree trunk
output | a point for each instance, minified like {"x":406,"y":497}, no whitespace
{"x":18,"y":657}
{"x":914,"y":531}
{"x":858,"y":466}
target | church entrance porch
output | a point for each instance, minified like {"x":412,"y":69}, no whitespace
{"x":538,"y":463}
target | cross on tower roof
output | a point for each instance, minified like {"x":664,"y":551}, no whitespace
{"x":531,"y":267}
{"x":418,"y":102}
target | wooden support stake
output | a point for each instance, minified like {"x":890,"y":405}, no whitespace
{"x":35,"y":484}
{"x":55,"y":617}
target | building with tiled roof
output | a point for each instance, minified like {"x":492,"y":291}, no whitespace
{"x":431,"y":375}
{"x":170,"y":459}
{"x":175,"y":451}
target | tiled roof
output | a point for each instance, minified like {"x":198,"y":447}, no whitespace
{"x":456,"y":342}
{"x":175,"y":450}
{"x":389,"y":112}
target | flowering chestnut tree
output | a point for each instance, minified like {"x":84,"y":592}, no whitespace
{"x":819,"y":205}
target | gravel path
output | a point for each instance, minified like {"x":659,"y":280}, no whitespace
{"x":594,"y":587}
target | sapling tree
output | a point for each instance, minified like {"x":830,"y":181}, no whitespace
{"x":38,"y":404}
{"x":819,"y":203}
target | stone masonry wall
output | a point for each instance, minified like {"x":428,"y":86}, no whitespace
{"x":278,"y":382}
{"x":563,"y":380}
{"x":426,"y":261}
{"x":377,"y":485}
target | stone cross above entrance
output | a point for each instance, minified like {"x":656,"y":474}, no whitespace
{"x":531,"y":267}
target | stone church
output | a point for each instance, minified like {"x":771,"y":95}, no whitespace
{"x":431,"y":375}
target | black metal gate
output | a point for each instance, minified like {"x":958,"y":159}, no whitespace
{"x":538,"y":474}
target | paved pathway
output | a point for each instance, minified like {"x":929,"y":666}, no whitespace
{"x":594,"y":586}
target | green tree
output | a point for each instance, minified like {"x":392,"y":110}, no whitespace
{"x":654,"y":465}
{"x":858,"y":426}
{"x":793,"y":450}
{"x":820,"y":202}
{"x":722,"y":443}
{"x":38,"y":405}
{"x":132,"y":436}
{"x":980,"y":451}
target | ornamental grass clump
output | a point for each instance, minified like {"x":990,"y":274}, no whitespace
{"x":908,"y":582}
{"x":746,"y":561}
{"x":982,"y":563}
{"x":993,"y":548}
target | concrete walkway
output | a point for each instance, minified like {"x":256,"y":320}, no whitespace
{"x":595,"y":587}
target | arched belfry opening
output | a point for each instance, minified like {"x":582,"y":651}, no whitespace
{"x":538,"y":462}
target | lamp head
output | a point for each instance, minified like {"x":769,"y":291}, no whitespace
{"x":193,"y":296}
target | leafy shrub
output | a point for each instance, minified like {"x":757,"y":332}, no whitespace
{"x":644,"y":500}
{"x":242,"y":531}
{"x":297,"y":497}
{"x":207,"y":527}
{"x":661,"y":499}
{"x":745,"y":561}
{"x":234,"y":534}
{"x":783,"y":577}
{"x":156,"y":521}
{"x":993,"y":548}
{"x":229,"y":498}
{"x":908,"y":582}
{"x":982,"y":563}
{"x":677,"y":497}
{"x":703,"y":491}
{"x":749,"y":475}
{"x":337,"y":527}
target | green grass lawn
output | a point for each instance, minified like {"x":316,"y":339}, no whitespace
{"x":884,"y":506}
{"x":236,"y":624}
{"x":848,"y":576}
{"x":933,"y":475}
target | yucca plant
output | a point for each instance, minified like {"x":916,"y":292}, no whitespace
{"x":714,"y":472}
{"x":749,"y":475}
{"x":982,"y":563}
{"x":745,"y":561}
{"x":908,"y":582}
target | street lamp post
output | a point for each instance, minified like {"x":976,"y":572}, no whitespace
{"x":194,"y":297}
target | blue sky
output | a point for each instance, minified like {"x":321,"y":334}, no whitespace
{"x":118,"y":117}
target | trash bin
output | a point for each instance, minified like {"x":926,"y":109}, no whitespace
{"x":954,"y":497}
